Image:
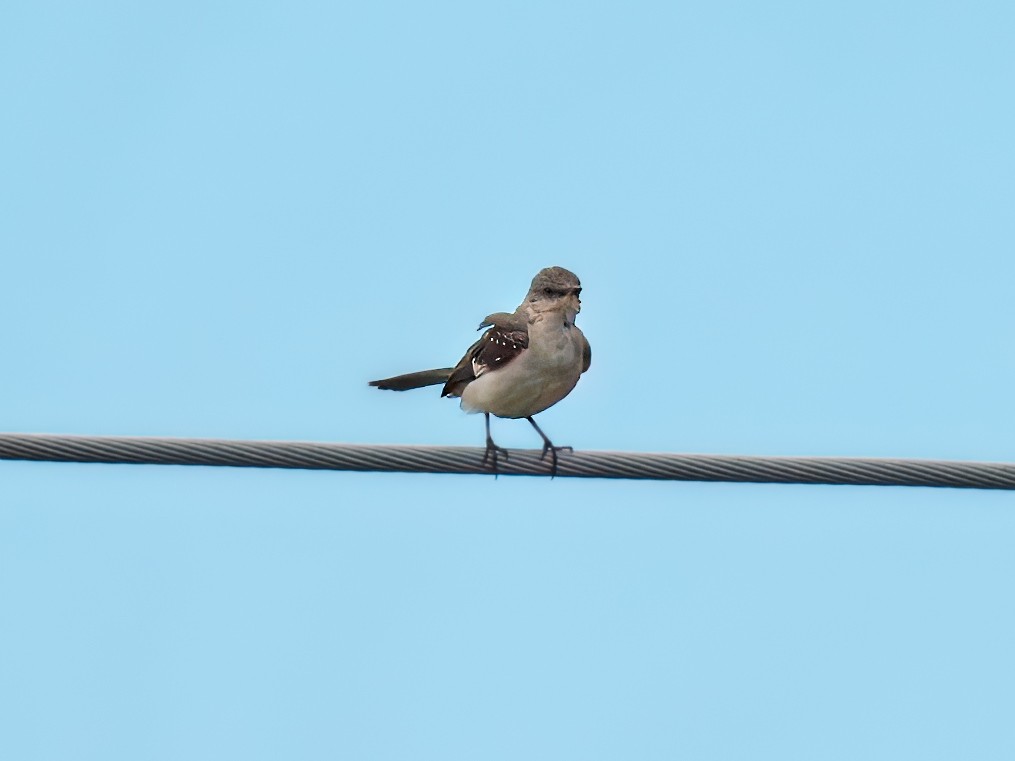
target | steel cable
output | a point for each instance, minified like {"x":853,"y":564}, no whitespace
{"x":431,"y":459}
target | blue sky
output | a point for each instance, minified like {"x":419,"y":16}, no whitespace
{"x":793,"y":224}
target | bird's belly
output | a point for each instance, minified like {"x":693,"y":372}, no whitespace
{"x":526,"y":387}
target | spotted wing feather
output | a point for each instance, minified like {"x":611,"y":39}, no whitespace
{"x":497,"y":348}
{"x":494,"y":350}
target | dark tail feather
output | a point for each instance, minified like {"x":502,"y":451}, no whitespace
{"x":414,"y":380}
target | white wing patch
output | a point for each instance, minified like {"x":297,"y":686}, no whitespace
{"x":496,"y":349}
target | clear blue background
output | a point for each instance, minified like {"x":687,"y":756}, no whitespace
{"x":794,"y":224}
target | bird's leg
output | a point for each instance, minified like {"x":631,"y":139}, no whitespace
{"x":549,"y":447}
{"x":492,"y":450}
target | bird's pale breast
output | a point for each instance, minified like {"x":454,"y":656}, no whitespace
{"x":538,"y":378}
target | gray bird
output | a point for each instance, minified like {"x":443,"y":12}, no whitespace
{"x":526,"y":361}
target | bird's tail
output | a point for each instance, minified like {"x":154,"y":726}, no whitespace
{"x":414,"y":380}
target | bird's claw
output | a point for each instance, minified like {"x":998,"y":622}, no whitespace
{"x":548,"y":447}
{"x":493,"y":452}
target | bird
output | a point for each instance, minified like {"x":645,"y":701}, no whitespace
{"x":525,"y":362}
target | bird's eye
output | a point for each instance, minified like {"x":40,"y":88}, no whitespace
{"x":549,"y":292}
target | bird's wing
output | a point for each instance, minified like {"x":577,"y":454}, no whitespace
{"x":506,"y":338}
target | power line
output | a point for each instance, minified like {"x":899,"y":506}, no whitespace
{"x":429,"y":459}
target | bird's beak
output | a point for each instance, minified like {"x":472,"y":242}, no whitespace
{"x":572,"y":307}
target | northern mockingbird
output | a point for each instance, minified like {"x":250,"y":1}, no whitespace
{"x":525,"y":362}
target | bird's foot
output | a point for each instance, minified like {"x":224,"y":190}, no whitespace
{"x":548,"y":447}
{"x":492,"y":453}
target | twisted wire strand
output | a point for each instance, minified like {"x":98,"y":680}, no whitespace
{"x":432,"y":459}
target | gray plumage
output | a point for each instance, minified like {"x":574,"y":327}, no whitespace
{"x":525,"y":361}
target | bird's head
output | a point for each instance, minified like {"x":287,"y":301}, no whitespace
{"x":555,"y":289}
